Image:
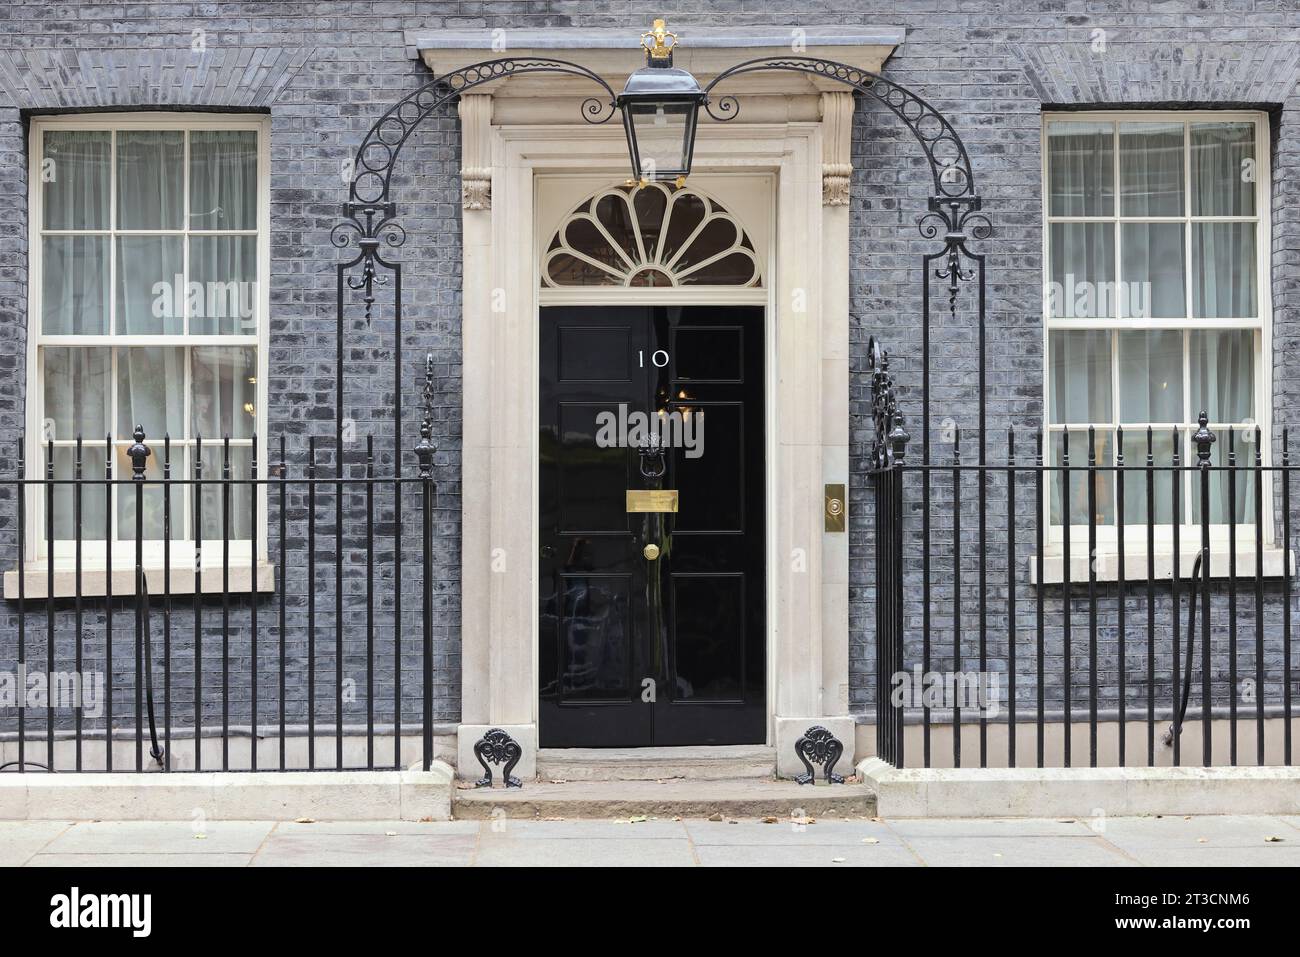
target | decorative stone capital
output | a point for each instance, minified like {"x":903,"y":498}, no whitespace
{"x":835,"y":183}
{"x":837,"y":138}
{"x":476,"y":151}
{"x":476,"y":187}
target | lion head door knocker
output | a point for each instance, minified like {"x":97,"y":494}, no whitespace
{"x":498,"y":747}
{"x":819,"y":746}
{"x":653,"y":463}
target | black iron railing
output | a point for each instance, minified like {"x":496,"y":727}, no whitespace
{"x":1097,"y":597}
{"x":298,"y":665}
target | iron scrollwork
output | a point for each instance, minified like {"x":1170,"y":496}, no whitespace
{"x":369,"y":214}
{"x":949,"y":162}
{"x":954,"y":206}
{"x":425,"y":450}
{"x":890,"y":438}
{"x":959,"y":219}
{"x":498,"y":747}
{"x":819,"y":746}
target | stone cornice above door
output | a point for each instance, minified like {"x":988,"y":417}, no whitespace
{"x":539,"y":99}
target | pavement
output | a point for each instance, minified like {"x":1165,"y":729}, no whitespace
{"x":1226,"y":841}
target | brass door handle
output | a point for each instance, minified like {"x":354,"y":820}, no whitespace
{"x":651,"y":552}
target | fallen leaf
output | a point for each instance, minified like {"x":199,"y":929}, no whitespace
{"x":390,"y":834}
{"x":837,"y":860}
{"x":715,"y":816}
{"x":1065,"y":820}
{"x":870,"y":840}
{"x":1272,"y":839}
{"x":1202,"y":840}
{"x":304,"y":820}
{"x":769,"y":820}
{"x":997,"y":855}
{"x":200,"y":837}
{"x":636,"y":819}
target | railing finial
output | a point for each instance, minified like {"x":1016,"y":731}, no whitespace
{"x":425,"y":449}
{"x":1203,"y":438}
{"x":138,"y":452}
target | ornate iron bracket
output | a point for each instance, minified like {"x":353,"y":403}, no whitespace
{"x":819,"y":746}
{"x":497,"y":746}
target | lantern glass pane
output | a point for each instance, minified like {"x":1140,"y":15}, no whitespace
{"x":662,"y":132}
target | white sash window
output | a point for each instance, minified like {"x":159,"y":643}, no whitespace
{"x":1155,"y":301}
{"x":149,"y":256}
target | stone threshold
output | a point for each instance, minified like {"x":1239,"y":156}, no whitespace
{"x":745,"y":798}
{"x":1078,"y":792}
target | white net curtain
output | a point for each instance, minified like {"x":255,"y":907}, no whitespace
{"x":148,"y":311}
{"x":1152,"y":302}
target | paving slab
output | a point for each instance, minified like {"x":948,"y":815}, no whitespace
{"x":1224,"y":840}
{"x":19,"y":840}
{"x":501,"y":850}
{"x":821,"y":833}
{"x":584,"y":829}
{"x":161,"y":838}
{"x":910,"y":828}
{"x":366,"y":850}
{"x":140,"y":860}
{"x":1012,"y":850}
{"x":383,"y":828}
{"x":781,"y":855}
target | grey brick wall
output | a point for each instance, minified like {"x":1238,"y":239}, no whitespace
{"x":325,"y":70}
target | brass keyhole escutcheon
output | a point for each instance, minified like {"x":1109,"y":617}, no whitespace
{"x":651,"y":552}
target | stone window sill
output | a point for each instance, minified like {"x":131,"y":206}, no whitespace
{"x":94,"y":580}
{"x":1135,"y":564}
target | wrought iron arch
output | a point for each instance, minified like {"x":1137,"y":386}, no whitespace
{"x":954,"y":209}
{"x":953,"y":214}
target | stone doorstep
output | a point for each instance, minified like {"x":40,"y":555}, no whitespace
{"x":412,"y":795}
{"x":732,"y":799}
{"x":1079,"y":792}
{"x":729,"y":763}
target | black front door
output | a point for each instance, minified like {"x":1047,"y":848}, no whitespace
{"x":652,"y":622}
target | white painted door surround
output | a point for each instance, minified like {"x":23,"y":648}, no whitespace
{"x":783,"y":166}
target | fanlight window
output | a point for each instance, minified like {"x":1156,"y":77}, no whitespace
{"x":651,"y":235}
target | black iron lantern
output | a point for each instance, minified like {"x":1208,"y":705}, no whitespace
{"x":660,"y":107}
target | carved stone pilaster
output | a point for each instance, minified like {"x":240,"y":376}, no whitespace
{"x":475,"y":151}
{"x":837,"y":137}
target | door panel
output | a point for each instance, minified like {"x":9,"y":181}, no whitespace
{"x":638,"y":650}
